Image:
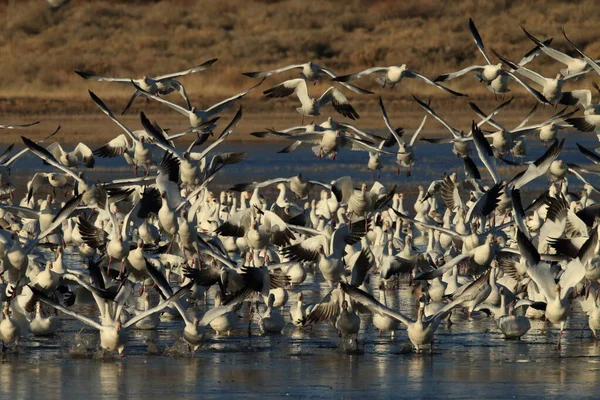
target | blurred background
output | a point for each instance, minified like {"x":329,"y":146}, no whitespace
{"x":43,"y":42}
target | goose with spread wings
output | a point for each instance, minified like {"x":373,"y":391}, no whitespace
{"x":16,"y":126}
{"x":557,"y":292}
{"x":573,"y":65}
{"x":198,"y":118}
{"x":422,"y":330}
{"x":552,"y":92}
{"x":490,"y":72}
{"x":390,"y":76}
{"x":327,"y":143}
{"x":310,"y":72}
{"x":311,"y":106}
{"x":93,"y":194}
{"x":405,"y":156}
{"x":158,"y":85}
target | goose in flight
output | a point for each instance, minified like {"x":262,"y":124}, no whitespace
{"x":24,"y":126}
{"x":551,"y":88}
{"x":198,"y":117}
{"x":158,"y":85}
{"x":327,"y":143}
{"x":390,"y":76}
{"x":575,"y":66}
{"x":490,"y":72}
{"x":81,"y":155}
{"x":405,"y":156}
{"x":311,"y":106}
{"x":310,"y":72}
{"x":298,"y":184}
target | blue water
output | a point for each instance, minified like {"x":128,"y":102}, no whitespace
{"x":471,"y":360}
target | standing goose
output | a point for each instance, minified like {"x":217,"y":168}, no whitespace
{"x":557,"y":293}
{"x":422,"y":330}
{"x":271,"y":321}
{"x":299,"y":311}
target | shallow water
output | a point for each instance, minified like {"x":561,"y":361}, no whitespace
{"x":471,"y":360}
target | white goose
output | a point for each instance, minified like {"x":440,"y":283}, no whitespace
{"x":405,"y":156}
{"x":422,"y":330}
{"x":162,"y":84}
{"x":310,"y":71}
{"x":311,"y":106}
{"x":200,"y":118}
{"x":390,"y":76}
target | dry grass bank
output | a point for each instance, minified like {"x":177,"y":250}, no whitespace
{"x":41,"y":48}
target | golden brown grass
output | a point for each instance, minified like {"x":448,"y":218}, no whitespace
{"x":41,"y":48}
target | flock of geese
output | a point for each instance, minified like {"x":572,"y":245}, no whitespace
{"x":467,"y":243}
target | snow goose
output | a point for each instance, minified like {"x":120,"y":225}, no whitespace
{"x":194,"y":329}
{"x":422,"y":330}
{"x":327,"y":248}
{"x":54,"y":179}
{"x":551,"y":88}
{"x":160,"y":85}
{"x":113,"y":334}
{"x":557,"y":294}
{"x":10,"y":330}
{"x":310,"y":72}
{"x":13,"y":126}
{"x":539,"y":167}
{"x":93,"y":194}
{"x":42,"y":325}
{"x":490,"y":72}
{"x":298,"y":184}
{"x":271,"y":321}
{"x":260,"y":228}
{"x":383,"y":322}
{"x":513,"y":326}
{"x":347,"y":322}
{"x":199,"y":118}
{"x":460,"y":140}
{"x":311,"y":106}
{"x":81,"y":155}
{"x":16,"y":259}
{"x":139,"y":151}
{"x":328,"y":143}
{"x":405,"y":156}
{"x":589,"y":305}
{"x":574,"y":65}
{"x":390,"y":76}
{"x":115,"y":243}
{"x":226,"y":322}
{"x":299,"y":311}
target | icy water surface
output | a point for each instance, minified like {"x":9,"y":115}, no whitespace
{"x":471,"y":360}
